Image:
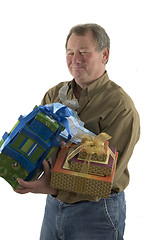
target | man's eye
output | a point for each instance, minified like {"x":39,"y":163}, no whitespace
{"x":70,"y":53}
{"x":83,"y":53}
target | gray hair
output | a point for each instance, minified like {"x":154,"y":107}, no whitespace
{"x":99,"y":34}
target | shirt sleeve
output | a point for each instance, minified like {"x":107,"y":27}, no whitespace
{"x":52,"y":95}
{"x":124,"y":127}
{"x":46,"y":99}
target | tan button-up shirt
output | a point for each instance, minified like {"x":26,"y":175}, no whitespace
{"x":104,"y":107}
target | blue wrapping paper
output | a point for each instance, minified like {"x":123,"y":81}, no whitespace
{"x":16,"y":160}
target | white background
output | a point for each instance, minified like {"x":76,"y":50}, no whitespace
{"x":32,"y":59}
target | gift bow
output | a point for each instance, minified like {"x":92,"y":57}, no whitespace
{"x":91,"y":144}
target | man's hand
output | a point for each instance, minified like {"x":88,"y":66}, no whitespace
{"x":42,"y":185}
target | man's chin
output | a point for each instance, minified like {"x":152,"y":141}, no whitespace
{"x":78,"y":74}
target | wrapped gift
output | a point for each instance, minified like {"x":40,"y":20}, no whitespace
{"x":84,"y":176}
{"x":34,"y":138}
{"x":100,"y":164}
{"x":30,"y":141}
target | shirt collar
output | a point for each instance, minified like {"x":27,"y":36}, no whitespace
{"x":94,"y":86}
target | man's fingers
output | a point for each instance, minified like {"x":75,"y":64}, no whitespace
{"x":23,"y":183}
{"x":41,"y":185}
{"x":63,"y":143}
{"x":22,"y":190}
{"x":46,"y":167}
{"x":32,"y":184}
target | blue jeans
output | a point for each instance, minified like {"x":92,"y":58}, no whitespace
{"x":103,"y":220}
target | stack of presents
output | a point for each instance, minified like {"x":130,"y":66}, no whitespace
{"x":86,"y":165}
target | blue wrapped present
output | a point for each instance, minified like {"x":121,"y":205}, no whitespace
{"x":34,"y":138}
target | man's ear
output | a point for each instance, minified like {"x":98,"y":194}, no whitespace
{"x":105,"y":52}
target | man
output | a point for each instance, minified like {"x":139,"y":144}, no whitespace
{"x":104,"y":107}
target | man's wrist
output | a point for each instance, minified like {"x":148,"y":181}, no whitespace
{"x":54,"y":192}
{"x":54,"y":196}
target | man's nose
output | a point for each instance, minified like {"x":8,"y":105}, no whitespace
{"x":77,"y":58}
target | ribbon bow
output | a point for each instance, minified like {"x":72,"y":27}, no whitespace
{"x":91,"y":144}
{"x":60,"y":115}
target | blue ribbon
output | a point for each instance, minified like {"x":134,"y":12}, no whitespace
{"x":60,"y":116}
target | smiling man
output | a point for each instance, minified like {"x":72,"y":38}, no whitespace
{"x":104,"y":107}
{"x":85,"y":62}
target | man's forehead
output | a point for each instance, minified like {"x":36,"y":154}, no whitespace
{"x":84,"y":41}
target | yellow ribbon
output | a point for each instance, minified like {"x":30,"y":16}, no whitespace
{"x":91,"y":144}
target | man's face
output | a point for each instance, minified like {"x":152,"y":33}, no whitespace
{"x":84,"y":62}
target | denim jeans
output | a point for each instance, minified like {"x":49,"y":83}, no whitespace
{"x":102,"y":220}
